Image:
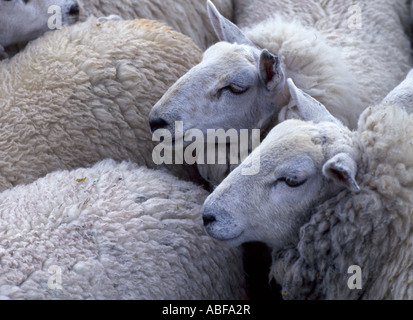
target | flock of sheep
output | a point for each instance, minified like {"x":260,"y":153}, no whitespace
{"x":85,"y":213}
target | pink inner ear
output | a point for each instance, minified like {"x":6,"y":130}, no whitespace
{"x":269,"y":69}
{"x":343,"y":176}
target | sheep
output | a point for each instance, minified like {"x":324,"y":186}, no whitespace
{"x":252,"y":12}
{"x":334,"y":205}
{"x":186,"y":16}
{"x":240,"y":83}
{"x":83,"y":94}
{"x":37,"y":15}
{"x":113,"y":231}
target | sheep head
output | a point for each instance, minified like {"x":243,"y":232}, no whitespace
{"x":302,"y":163}
{"x":236,"y":85}
{"x":23,"y":21}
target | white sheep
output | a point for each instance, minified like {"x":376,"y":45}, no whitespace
{"x":252,"y":12}
{"x":347,"y":54}
{"x":83,"y":94}
{"x":113,"y":231}
{"x":329,"y":201}
{"x":186,"y":16}
{"x":23,"y":21}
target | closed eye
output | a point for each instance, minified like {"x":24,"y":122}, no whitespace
{"x":234,"y":89}
{"x":292,"y":183}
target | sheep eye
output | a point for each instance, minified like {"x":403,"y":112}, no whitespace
{"x":292,"y":183}
{"x":235,"y":89}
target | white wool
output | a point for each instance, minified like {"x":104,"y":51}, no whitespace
{"x":370,"y":59}
{"x":83,"y":94}
{"x":114,"y":231}
{"x":186,"y":16}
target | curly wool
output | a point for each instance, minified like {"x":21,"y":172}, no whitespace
{"x":186,"y":16}
{"x":345,"y":67}
{"x":116,"y":231}
{"x":83,"y":94}
{"x":371,"y":229}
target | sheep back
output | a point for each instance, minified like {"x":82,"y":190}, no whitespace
{"x":328,"y":55}
{"x":114,"y":231}
{"x":83,"y":94}
{"x":188,"y":17}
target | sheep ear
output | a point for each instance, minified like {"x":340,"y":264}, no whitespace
{"x":225,"y":29}
{"x":310,"y":109}
{"x":270,"y":71}
{"x":342,"y":169}
{"x":402,"y":95}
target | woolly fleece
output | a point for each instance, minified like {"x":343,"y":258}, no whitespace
{"x":371,"y":229}
{"x":186,"y":16}
{"x":83,"y":94}
{"x":344,"y":67}
{"x":116,"y":231}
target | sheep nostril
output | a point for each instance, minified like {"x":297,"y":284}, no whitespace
{"x":208,"y":219}
{"x":157,"y":123}
{"x":74,"y":10}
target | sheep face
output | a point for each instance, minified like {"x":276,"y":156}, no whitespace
{"x":272,"y":205}
{"x":302,"y":163}
{"x":236,"y":86}
{"x":23,"y":20}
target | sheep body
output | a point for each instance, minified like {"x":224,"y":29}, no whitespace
{"x":371,"y":229}
{"x":82,"y":94}
{"x":114,"y":231}
{"x":328,"y":199}
{"x":187,"y":17}
{"x":356,"y":32}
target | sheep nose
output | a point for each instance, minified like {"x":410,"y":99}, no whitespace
{"x":208,"y":219}
{"x":74,"y":10}
{"x":157,"y":123}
